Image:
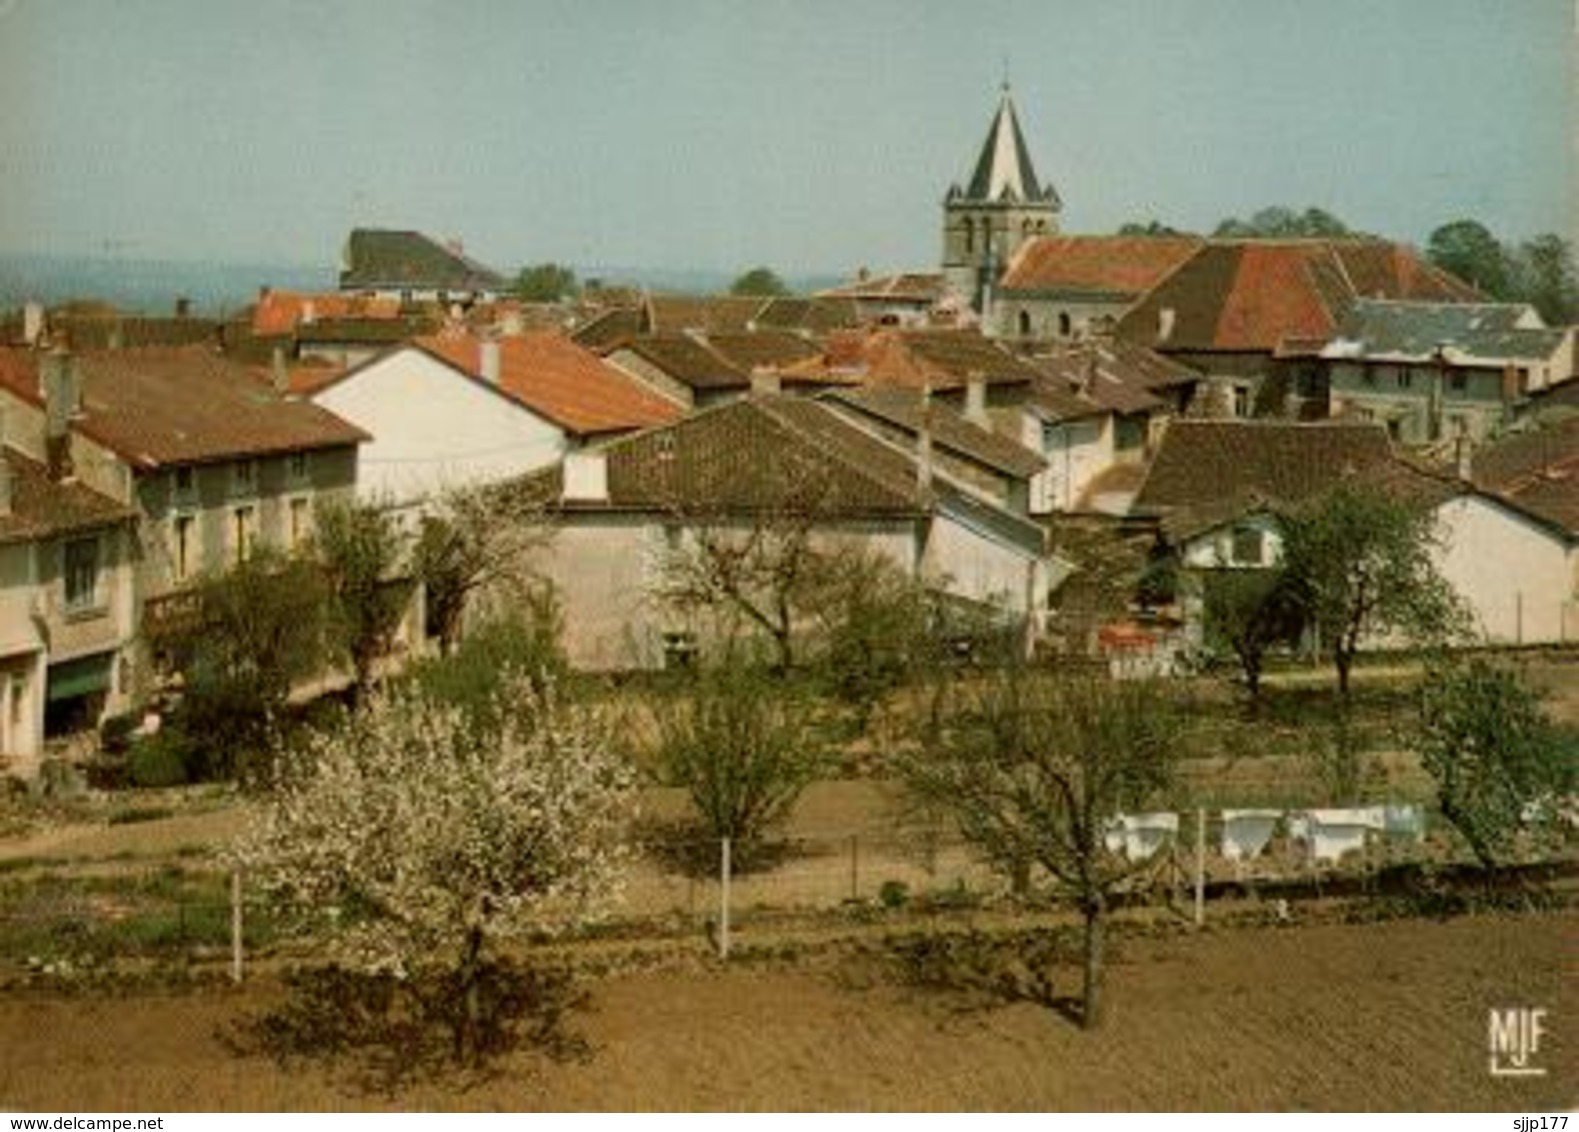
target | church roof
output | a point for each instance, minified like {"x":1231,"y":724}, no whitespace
{"x":1004,"y":172}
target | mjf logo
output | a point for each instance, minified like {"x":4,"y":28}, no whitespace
{"x":1514,"y":1038}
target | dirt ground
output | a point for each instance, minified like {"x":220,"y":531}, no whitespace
{"x":1335,"y":1017}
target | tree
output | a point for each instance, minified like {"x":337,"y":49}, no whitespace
{"x":1279,"y":222}
{"x":545,"y":283}
{"x":1543,"y":273}
{"x":1150,"y":228}
{"x":1035,"y":768}
{"x":875,"y":626}
{"x":758,"y":281}
{"x":419,"y":843}
{"x":477,"y":539}
{"x":742,"y":748}
{"x":1249,"y":612}
{"x":360,"y":551}
{"x":1467,"y":249}
{"x":242,"y":641}
{"x":1484,"y":736}
{"x":1360,"y":565}
{"x":764,"y":569}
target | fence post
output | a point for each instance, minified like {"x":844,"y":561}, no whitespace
{"x":1200,"y":867}
{"x":855,"y":866}
{"x":235,"y":926}
{"x":723,"y":900}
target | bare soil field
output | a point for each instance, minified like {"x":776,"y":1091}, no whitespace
{"x":1333,"y":1017}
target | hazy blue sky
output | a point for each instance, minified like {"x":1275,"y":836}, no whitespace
{"x":813,"y":135}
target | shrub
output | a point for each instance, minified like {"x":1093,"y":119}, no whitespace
{"x":159,"y":760}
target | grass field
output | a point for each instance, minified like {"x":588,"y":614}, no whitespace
{"x":1330,"y":1017}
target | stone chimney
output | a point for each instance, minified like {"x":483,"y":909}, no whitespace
{"x":976,"y":400}
{"x":765,"y":379}
{"x":279,"y":373}
{"x":309,"y":313}
{"x":488,"y":360}
{"x":585,"y":477}
{"x":1165,"y":319}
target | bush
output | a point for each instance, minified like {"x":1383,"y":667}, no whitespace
{"x":159,"y":760}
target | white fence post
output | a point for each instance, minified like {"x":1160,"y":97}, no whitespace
{"x":723,"y":900}
{"x":1200,"y":867}
{"x":235,"y":926}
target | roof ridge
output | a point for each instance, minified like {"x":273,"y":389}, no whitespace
{"x":764,"y":407}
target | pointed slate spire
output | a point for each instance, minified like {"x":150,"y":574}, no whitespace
{"x":1004,"y":171}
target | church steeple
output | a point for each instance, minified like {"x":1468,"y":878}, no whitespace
{"x":1004,"y":171}
{"x":1003,"y":206}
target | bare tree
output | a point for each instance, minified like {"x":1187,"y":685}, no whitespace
{"x":1033,"y":766}
{"x":477,"y":539}
{"x":762,"y":566}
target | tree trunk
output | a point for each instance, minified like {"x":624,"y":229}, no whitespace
{"x":1091,"y":1004}
{"x":467,"y":1027}
{"x":1343,"y":660}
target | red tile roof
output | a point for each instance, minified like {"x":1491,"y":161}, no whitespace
{"x":44,"y":508}
{"x":562,"y":381}
{"x":1256,"y":295}
{"x":1101,"y":265}
{"x":181,"y":405}
{"x":280,"y":312}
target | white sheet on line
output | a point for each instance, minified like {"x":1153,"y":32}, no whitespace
{"x":1246,"y":832}
{"x":1139,"y":836}
{"x":1336,"y":832}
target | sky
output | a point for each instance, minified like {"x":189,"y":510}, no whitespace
{"x":814,"y":136}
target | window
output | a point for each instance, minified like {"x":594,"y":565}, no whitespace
{"x":970,"y":236}
{"x":1130,"y":433}
{"x":1248,"y":546}
{"x":300,"y":467}
{"x":1368,"y":375}
{"x":679,"y":649}
{"x":243,"y":532}
{"x":1458,"y":381}
{"x":1405,"y":378}
{"x":182,"y":531}
{"x":183,"y":481}
{"x":1241,"y":400}
{"x":1064,"y":325}
{"x":1025,"y":324}
{"x":244,"y":476}
{"x":299,"y":519}
{"x":82,"y":573}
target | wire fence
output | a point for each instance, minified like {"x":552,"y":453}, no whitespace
{"x":57,"y":923}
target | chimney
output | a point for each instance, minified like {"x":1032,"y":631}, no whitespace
{"x":976,"y":401}
{"x":924,"y":443}
{"x":183,"y":307}
{"x":1165,"y":318}
{"x":585,"y":478}
{"x":33,"y":322}
{"x":309,"y":313}
{"x":511,"y":324}
{"x":488,"y":360}
{"x":59,"y":377}
{"x":279,"y":375}
{"x":264,"y":291}
{"x":765,"y":379}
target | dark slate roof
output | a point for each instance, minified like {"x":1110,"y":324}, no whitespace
{"x":1004,"y":172}
{"x":43,"y":508}
{"x":1253,"y":295}
{"x":182,"y":405}
{"x":1536,"y":470}
{"x":1400,"y":329}
{"x":395,"y":259}
{"x":949,"y":428}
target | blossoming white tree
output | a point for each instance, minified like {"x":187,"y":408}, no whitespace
{"x":417,"y":840}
